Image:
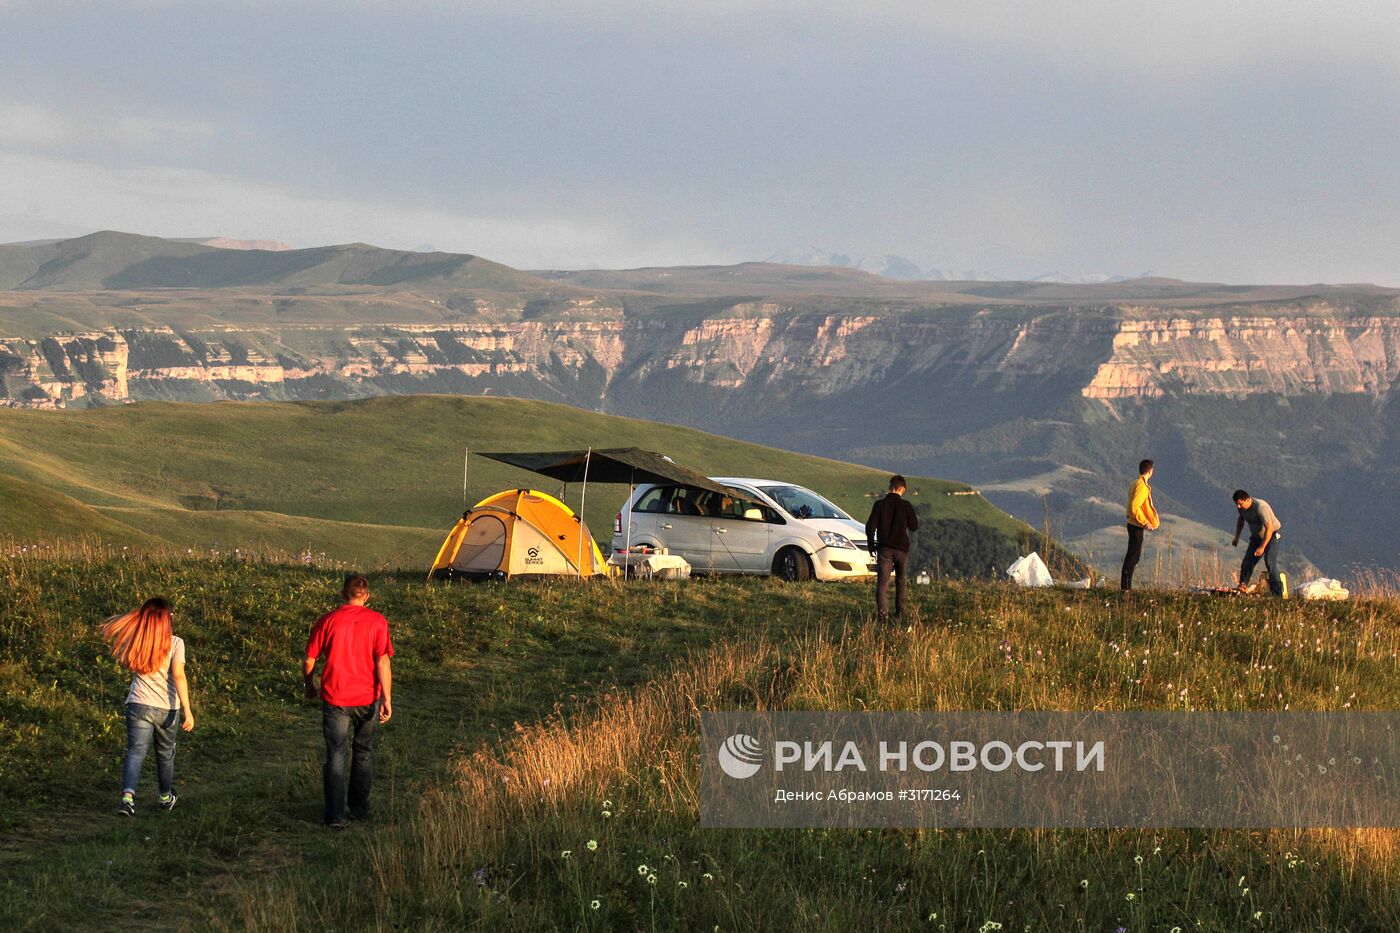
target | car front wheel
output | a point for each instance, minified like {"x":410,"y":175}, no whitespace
{"x":792,"y":565}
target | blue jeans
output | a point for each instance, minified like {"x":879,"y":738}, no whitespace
{"x":144,"y":723}
{"x":1270,"y":559}
{"x":339,"y":724}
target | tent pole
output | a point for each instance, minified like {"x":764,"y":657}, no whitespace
{"x":627,"y":547}
{"x":582,"y":501}
{"x":466,"y":459}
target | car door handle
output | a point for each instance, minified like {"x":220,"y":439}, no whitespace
{"x":720,"y":531}
{"x":665,"y":524}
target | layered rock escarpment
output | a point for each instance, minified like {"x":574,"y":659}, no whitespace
{"x":1250,"y":355}
{"x":767,"y":348}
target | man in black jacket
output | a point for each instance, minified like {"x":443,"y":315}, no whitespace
{"x":887,"y":535}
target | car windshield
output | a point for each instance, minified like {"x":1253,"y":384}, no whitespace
{"x":803,"y":503}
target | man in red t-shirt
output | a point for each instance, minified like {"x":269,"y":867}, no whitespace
{"x":356,"y":688}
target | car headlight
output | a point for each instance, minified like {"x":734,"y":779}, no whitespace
{"x":832,"y":539}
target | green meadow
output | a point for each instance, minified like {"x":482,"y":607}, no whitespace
{"x":540,"y":771}
{"x":377,"y":482}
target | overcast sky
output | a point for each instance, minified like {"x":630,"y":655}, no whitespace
{"x":1256,"y":140}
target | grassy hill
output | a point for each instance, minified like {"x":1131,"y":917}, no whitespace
{"x":530,"y":720}
{"x":376,"y":480}
{"x":111,"y":260}
{"x":126,"y":261}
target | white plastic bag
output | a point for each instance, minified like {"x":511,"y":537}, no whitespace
{"x":1325,"y":588}
{"x":1030,"y":571}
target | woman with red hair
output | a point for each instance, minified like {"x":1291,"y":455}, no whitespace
{"x":159,"y":697}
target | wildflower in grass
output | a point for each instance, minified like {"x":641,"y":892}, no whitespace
{"x":1084,"y":882}
{"x":1130,"y":896}
{"x":607,"y":814}
{"x":642,"y":870}
{"x":566,"y":853}
{"x":595,"y":903}
{"x":682,"y":884}
{"x":1137,"y":859}
{"x":1259,"y":915}
{"x":1244,"y":892}
{"x":651,"y":879}
{"x":708,"y":877}
{"x":593,"y":845}
{"x":607,"y":804}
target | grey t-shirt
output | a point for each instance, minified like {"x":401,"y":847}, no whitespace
{"x":1257,"y":516}
{"x":158,"y":687}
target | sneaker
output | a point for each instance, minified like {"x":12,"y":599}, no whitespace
{"x":127,"y":807}
{"x":335,"y":824}
{"x":167,"y":801}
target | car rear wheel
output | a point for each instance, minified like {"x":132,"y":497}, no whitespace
{"x":792,"y":565}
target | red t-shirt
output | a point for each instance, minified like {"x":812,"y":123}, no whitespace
{"x":352,"y":639}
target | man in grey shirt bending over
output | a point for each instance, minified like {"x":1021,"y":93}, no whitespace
{"x":1263,"y":539}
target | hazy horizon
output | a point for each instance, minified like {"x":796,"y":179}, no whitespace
{"x":1252,"y":144}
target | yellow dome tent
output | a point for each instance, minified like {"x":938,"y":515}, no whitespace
{"x":520,"y":532}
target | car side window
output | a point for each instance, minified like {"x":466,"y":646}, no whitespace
{"x":758,"y":512}
{"x":654,"y":500}
{"x":685,"y":500}
{"x":745,"y":509}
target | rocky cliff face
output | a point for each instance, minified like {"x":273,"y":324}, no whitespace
{"x":1302,"y":403}
{"x":57,"y":371}
{"x":1250,"y":355}
{"x":599,"y":363}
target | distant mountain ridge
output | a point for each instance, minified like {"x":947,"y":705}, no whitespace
{"x":126,"y":261}
{"x":114,"y":261}
{"x":901,"y":267}
{"x":223,"y":242}
{"x":1022,"y":386}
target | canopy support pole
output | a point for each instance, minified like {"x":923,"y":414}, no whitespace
{"x":582,"y":501}
{"x":627,"y":553}
{"x":466,"y":459}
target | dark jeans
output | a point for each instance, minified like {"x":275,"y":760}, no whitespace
{"x":1130,"y":560}
{"x":1270,"y":560}
{"x":144,"y":723}
{"x":340,"y":724}
{"x":894,"y":562}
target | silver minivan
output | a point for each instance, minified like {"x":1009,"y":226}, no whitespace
{"x":772,"y":527}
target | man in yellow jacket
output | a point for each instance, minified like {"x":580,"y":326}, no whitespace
{"x":1142,"y":518}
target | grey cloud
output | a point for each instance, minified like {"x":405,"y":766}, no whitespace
{"x":1215,"y":141}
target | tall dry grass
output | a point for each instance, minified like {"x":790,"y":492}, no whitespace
{"x":590,"y":822}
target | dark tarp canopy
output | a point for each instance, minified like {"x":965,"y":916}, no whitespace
{"x":627,"y":465}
